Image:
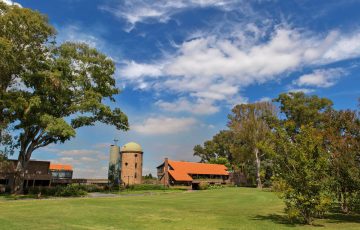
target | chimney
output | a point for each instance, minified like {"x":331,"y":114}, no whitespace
{"x":166,"y":172}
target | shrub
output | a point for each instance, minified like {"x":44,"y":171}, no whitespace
{"x":64,"y":191}
{"x":203,"y":185}
{"x":215,"y":186}
{"x":140,"y":187}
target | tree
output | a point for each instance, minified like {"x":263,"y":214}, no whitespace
{"x":22,"y":35}
{"x":219,"y":147}
{"x":62,"y":89}
{"x":220,"y":161}
{"x":251,"y":130}
{"x":342,"y":135}
{"x":301,"y":161}
{"x":300,"y":109}
{"x":301,"y":168}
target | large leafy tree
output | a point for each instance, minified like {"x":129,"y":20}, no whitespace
{"x":49,"y":91}
{"x":300,"y":158}
{"x":299,"y":109}
{"x":23,"y":34}
{"x":342,"y":140}
{"x":252,"y":132}
{"x":301,"y":168}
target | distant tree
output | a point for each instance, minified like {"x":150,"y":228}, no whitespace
{"x":221,"y":161}
{"x":148,"y":176}
{"x":342,"y":136}
{"x":218,"y":147}
{"x":49,"y":91}
{"x":252,"y":133}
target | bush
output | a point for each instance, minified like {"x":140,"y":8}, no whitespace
{"x":72,"y":190}
{"x":95,"y":188}
{"x":141,"y":187}
{"x":203,"y":185}
{"x":215,"y":186}
{"x":60,"y":191}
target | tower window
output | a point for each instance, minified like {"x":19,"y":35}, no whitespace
{"x":135,"y":165}
{"x":126,"y":164}
{"x":135,"y":175}
{"x":135,"y":155}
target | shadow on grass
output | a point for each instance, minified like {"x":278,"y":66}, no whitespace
{"x":276,"y":218}
{"x":329,"y":218}
{"x":342,"y":218}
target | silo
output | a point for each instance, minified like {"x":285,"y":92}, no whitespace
{"x":131,"y":164}
{"x":114,"y":165}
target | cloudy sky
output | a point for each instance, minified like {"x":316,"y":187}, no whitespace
{"x":182,"y":65}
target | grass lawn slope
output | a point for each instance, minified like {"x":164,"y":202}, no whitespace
{"x":231,"y":208}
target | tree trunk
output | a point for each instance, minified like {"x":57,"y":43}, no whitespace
{"x":257,"y":161}
{"x":17,"y":186}
{"x":343,"y":201}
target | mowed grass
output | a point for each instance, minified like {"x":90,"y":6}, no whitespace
{"x":231,"y":208}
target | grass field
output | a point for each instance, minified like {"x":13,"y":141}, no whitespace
{"x":231,"y":208}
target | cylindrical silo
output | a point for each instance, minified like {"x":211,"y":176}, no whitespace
{"x":114,"y":165}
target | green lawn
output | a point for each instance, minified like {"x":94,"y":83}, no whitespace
{"x":231,"y":208}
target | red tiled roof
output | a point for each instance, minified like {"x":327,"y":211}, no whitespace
{"x":182,"y":169}
{"x":60,"y":167}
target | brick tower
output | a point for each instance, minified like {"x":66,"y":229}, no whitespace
{"x":131,"y":163}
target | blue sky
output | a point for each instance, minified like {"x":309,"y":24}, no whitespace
{"x":183,"y":64}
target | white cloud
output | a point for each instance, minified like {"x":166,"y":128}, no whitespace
{"x":264,"y":99}
{"x":200,"y":106}
{"x":75,"y":33}
{"x":9,"y":2}
{"x":87,"y":163}
{"x":321,"y":77}
{"x":213,"y":68}
{"x":78,"y":152}
{"x":134,"y":11}
{"x":134,"y":70}
{"x":304,"y":90}
{"x":164,"y":125}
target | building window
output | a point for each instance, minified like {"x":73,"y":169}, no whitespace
{"x":135,"y":175}
{"x":126,"y":164}
{"x":135,"y":165}
{"x":135,"y":155}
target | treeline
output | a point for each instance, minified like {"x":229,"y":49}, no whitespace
{"x":298,"y":145}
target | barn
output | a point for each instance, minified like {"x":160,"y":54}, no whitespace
{"x":172,"y":173}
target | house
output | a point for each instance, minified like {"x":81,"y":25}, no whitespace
{"x":61,"y":174}
{"x":191,"y":174}
{"x":36,"y":174}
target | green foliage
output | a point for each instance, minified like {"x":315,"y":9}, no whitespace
{"x":342,"y":138}
{"x":249,"y":122}
{"x":220,"y":161}
{"x":47,"y":91}
{"x":203,"y":185}
{"x":301,"y":161}
{"x":215,"y":186}
{"x":300,"y":109}
{"x":149,"y":176}
{"x":219,"y":147}
{"x":144,"y":187}
{"x":60,"y":191}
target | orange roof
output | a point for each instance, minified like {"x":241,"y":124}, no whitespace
{"x":60,"y":167}
{"x":182,"y":170}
